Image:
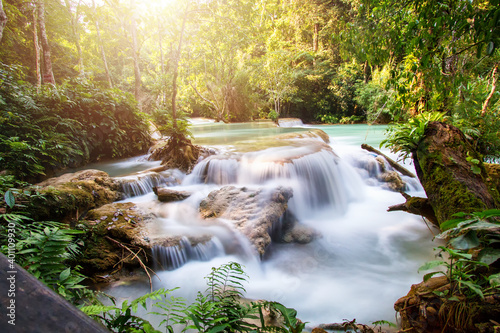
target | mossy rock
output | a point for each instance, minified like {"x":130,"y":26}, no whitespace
{"x":450,"y":179}
{"x":111,"y":229}
{"x":493,"y":175}
{"x":67,"y":197}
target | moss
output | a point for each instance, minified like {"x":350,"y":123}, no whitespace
{"x":67,"y":201}
{"x":121,"y":222}
{"x":492,"y":176}
{"x":446,"y":174}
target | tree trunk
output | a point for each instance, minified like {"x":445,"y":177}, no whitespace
{"x":135,"y":55}
{"x":493,"y":88}
{"x":36,"y":46}
{"x":48,"y":74}
{"x":176,"y":68}
{"x":453,"y":181}
{"x":76,"y":37}
{"x":316,"y":37}
{"x":162,"y":64}
{"x":3,"y":20}
{"x":101,"y":47}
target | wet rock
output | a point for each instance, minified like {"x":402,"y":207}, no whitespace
{"x":310,"y":134}
{"x":111,"y":229}
{"x":300,"y":234}
{"x":169,"y":195}
{"x":392,"y":181}
{"x":68,"y":196}
{"x":253,"y":212}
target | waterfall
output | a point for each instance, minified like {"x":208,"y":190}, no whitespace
{"x":361,"y":258}
{"x":140,"y":184}
{"x":315,"y":173}
{"x":172,"y":257}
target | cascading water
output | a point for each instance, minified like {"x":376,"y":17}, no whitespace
{"x":172,"y":257}
{"x":137,"y":185}
{"x":361,"y":262}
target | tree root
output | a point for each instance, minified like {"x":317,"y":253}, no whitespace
{"x":135,"y":255}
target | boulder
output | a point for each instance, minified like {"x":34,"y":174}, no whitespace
{"x":111,"y":229}
{"x":116,"y":230}
{"x":169,"y":195}
{"x":253,"y":212}
{"x":392,"y":181}
{"x":67,"y":197}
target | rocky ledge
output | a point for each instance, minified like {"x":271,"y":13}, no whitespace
{"x":259,"y":214}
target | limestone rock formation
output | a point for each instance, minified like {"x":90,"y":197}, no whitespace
{"x":169,"y":195}
{"x":111,"y":229}
{"x":68,"y":196}
{"x":256,"y":213}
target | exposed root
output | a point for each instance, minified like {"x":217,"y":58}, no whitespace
{"x":134,"y":255}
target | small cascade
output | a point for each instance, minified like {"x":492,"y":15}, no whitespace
{"x":373,"y":169}
{"x":290,"y":122}
{"x":312,"y":171}
{"x":314,"y":176}
{"x":172,"y":257}
{"x":217,"y":169}
{"x":141,"y":184}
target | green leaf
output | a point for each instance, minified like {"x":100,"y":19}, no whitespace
{"x":494,"y":280}
{"x":429,"y":275}
{"x":466,"y":241}
{"x":431,"y":264}
{"x":9,"y":199}
{"x":475,"y":169}
{"x":65,"y":274}
{"x":489,"y":255}
{"x":473,"y":287}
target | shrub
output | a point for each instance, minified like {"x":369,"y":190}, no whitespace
{"x":64,"y":126}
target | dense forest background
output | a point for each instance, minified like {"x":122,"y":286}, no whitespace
{"x":331,"y":61}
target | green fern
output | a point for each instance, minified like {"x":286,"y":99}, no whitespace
{"x":404,"y":138}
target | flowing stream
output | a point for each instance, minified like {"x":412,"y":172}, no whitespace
{"x":363,"y":258}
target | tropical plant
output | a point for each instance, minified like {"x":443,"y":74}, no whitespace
{"x":64,"y":126}
{"x":404,"y":138}
{"x":219,"y":309}
{"x":471,"y":249}
{"x":121,"y":319}
{"x":327,"y":118}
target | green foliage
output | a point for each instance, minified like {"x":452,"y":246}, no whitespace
{"x":43,"y":249}
{"x":472,"y":248}
{"x":378,"y":98}
{"x":219,"y":309}
{"x":327,"y":118}
{"x":121,"y":319}
{"x":273,"y":115}
{"x":64,"y":126}
{"x":165,"y":122}
{"x":404,"y":138}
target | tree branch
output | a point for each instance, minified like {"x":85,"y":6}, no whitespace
{"x":393,"y":163}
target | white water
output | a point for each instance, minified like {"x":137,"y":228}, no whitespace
{"x":364,"y":260}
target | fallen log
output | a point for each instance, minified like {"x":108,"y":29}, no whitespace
{"x":389,"y":160}
{"x":417,"y":206}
